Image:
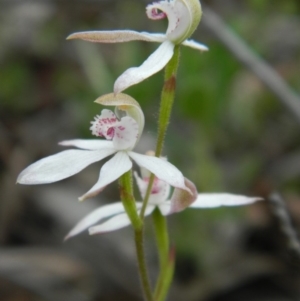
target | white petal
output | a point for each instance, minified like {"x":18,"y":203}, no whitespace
{"x":195,"y":45}
{"x":110,"y":171}
{"x":179,"y":18}
{"x":165,"y":208}
{"x":213,"y":200}
{"x":119,"y":221}
{"x":160,"y":189}
{"x":142,"y":184}
{"x":182,"y":199}
{"x":103,"y":124}
{"x":91,"y":144}
{"x":115,"y":223}
{"x":60,"y":166}
{"x":95,"y":216}
{"x":149,"y":209}
{"x":154,"y":63}
{"x":161,"y":168}
{"x":126,"y":133}
{"x":116,"y":36}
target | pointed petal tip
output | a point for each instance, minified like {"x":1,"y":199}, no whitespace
{"x":67,"y":237}
{"x":214,"y":200}
{"x":257,"y":199}
{"x":81,"y":199}
{"x":71,"y":37}
{"x":21,"y":179}
{"x":76,"y":35}
{"x":90,"y":230}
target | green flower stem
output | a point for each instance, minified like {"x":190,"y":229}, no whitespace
{"x":167,"y":99}
{"x":162,"y":238}
{"x":165,"y":259}
{"x":126,"y":192}
{"x":128,"y":200}
{"x":165,"y":278}
{"x":139,"y":246}
{"x":166,"y":265}
{"x":166,"y":104}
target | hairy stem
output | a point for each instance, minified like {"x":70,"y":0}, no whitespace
{"x":128,"y":200}
{"x":139,"y":245}
{"x":127,"y":197}
{"x":166,"y":104}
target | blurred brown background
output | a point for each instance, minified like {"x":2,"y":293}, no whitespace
{"x":235,"y":128}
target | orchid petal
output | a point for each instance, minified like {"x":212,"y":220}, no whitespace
{"x":183,"y":16}
{"x":95,"y":216}
{"x":213,"y":200}
{"x":116,"y":36}
{"x":103,"y":124}
{"x":178,"y":16}
{"x":89,"y":144}
{"x":161,"y":168}
{"x":165,"y":208}
{"x":195,"y":45}
{"x":160,"y":189}
{"x":60,"y":166}
{"x":110,"y":171}
{"x":126,"y":133}
{"x":181,"y":199}
{"x":126,"y":103}
{"x":115,"y":223}
{"x":154,"y":63}
{"x":150,"y":208}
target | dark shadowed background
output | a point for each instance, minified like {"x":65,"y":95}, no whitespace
{"x":235,"y":128}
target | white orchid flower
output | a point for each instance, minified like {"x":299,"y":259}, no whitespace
{"x":122,"y":134}
{"x":113,"y":216}
{"x":183,"y":16}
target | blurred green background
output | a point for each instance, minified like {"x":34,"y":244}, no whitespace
{"x":228,"y":133}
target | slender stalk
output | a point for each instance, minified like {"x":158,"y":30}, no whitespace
{"x":165,"y":278}
{"x":166,"y":104}
{"x":128,"y":200}
{"x":166,"y":265}
{"x":139,"y":245}
{"x":167,"y":100}
{"x":162,"y":238}
{"x":127,"y":197}
{"x":166,"y":260}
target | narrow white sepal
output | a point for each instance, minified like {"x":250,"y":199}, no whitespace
{"x":165,"y":208}
{"x":110,"y":171}
{"x":90,"y":144}
{"x":116,"y":36}
{"x":195,"y":45}
{"x":154,"y":63}
{"x":95,"y":216}
{"x":161,"y":168}
{"x":213,"y":200}
{"x":60,"y":166}
{"x":115,"y":223}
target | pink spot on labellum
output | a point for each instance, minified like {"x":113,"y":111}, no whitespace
{"x":110,"y":132}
